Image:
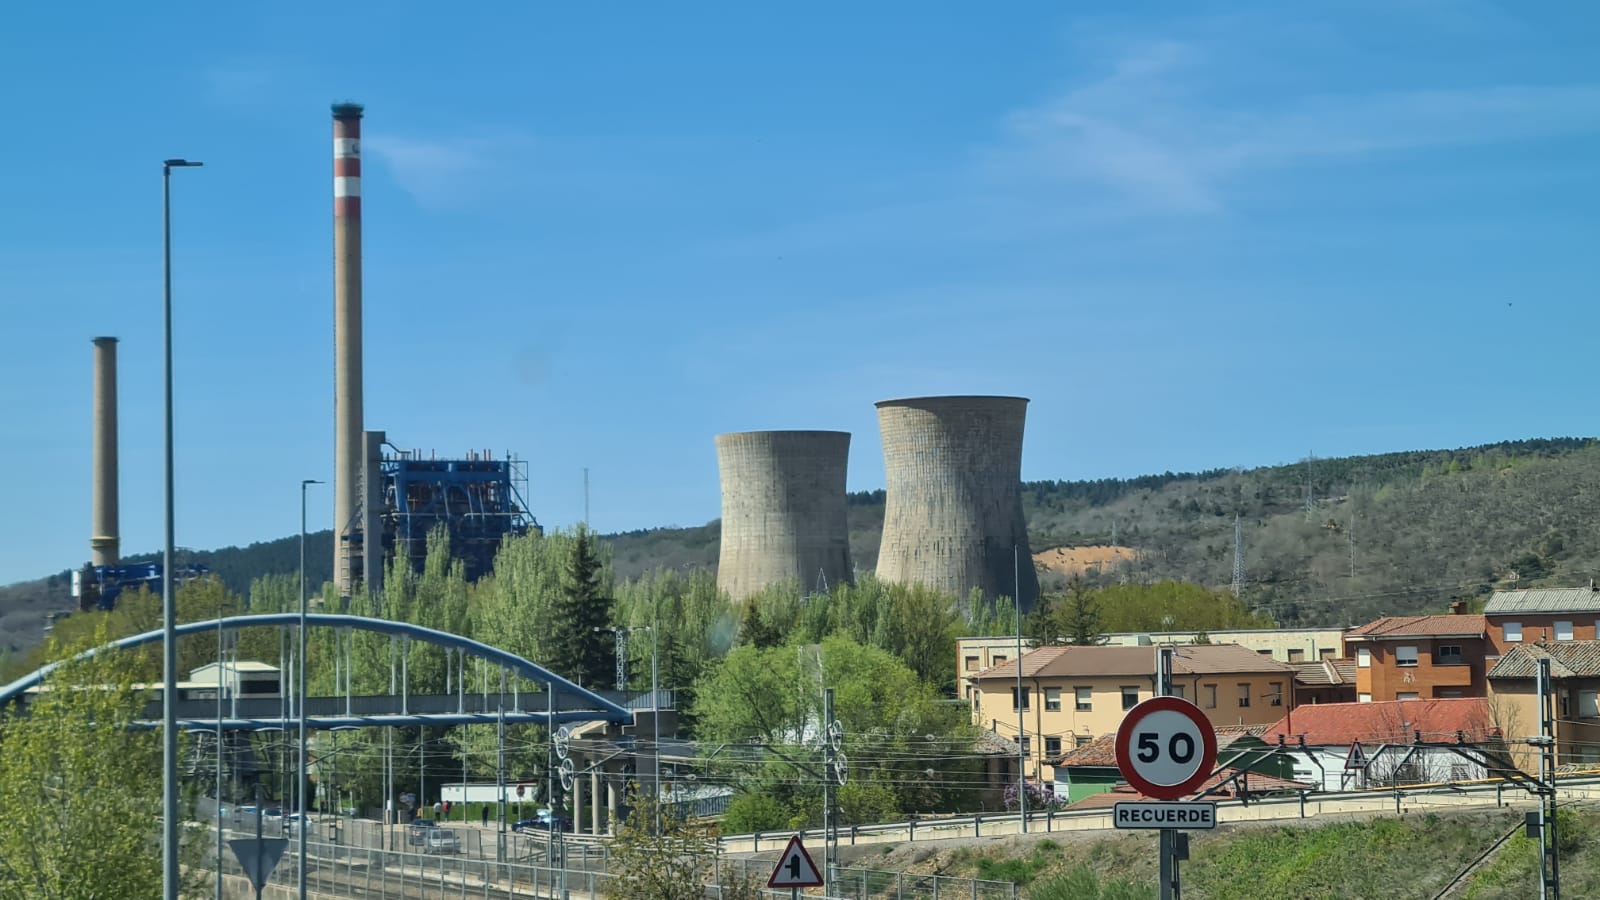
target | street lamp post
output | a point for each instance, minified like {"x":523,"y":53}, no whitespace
{"x":169,"y":639}
{"x":300,"y":691}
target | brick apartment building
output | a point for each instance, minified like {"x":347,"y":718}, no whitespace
{"x":1421,"y":657}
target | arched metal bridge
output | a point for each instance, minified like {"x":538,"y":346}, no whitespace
{"x":551,"y":699}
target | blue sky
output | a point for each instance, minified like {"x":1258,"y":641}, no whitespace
{"x":1197,"y":235}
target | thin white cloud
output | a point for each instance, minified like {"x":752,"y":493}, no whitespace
{"x":1149,"y":131}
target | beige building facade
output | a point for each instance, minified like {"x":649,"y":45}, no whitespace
{"x":1071,"y":695}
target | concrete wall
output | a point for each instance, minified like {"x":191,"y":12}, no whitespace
{"x":953,"y":516}
{"x":783,"y":509}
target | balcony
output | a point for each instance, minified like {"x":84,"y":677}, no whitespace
{"x":1446,"y":676}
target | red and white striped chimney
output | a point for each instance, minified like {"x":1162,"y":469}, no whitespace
{"x":348,"y":454}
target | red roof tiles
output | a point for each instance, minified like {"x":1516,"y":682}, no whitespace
{"x":1388,"y":721}
{"x":1473,"y":625}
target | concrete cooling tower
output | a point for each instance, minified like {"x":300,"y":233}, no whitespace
{"x":783,"y":509}
{"x":953,"y":471}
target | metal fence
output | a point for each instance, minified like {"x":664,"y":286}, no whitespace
{"x":874,"y":884}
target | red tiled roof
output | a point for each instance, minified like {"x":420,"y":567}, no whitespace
{"x":1255,"y":782}
{"x":1473,"y":625}
{"x":1388,"y":721}
{"x":1324,"y":672}
{"x":1196,"y":659}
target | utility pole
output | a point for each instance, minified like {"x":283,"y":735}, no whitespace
{"x":1238,"y":555}
{"x":1022,"y":734}
{"x":1549,"y":849}
{"x":835,"y":769}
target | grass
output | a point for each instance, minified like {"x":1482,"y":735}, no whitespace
{"x":1381,"y":858}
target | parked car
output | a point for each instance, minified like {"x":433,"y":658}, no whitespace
{"x":291,"y":822}
{"x":542,"y":821}
{"x":417,"y":835}
{"x":441,"y":840}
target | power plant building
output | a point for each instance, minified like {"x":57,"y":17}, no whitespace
{"x":783,"y":510}
{"x":953,"y":515}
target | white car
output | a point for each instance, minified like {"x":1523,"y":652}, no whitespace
{"x":441,"y":840}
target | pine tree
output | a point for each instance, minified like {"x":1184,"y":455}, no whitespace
{"x":1083,"y":616}
{"x":577,"y":651}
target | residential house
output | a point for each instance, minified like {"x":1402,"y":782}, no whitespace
{"x":1325,"y":681}
{"x":1092,"y":768}
{"x":1325,"y":737}
{"x":1071,"y":695}
{"x":1546,"y":614}
{"x":1290,"y":645}
{"x":1575,"y":671}
{"x":1420,"y":657}
{"x":1230,"y":783}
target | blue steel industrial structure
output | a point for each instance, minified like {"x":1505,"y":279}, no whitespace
{"x":98,"y":587}
{"x":476,"y":500}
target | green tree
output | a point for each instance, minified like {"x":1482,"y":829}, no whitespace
{"x":672,"y":862}
{"x":1082,"y":616}
{"x":576,"y":650}
{"x":80,"y":787}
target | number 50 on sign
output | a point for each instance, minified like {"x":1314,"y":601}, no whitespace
{"x":1166,"y":748}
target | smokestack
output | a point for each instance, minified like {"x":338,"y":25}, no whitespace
{"x":104,"y":535}
{"x":348,"y":455}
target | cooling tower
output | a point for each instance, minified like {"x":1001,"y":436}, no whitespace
{"x":953,"y":470}
{"x":783,"y":509}
{"x":104,"y":540}
{"x":348,"y":452}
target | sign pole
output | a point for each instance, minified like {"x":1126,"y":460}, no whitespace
{"x":1170,"y":889}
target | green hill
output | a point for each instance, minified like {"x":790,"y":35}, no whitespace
{"x":1327,"y":541}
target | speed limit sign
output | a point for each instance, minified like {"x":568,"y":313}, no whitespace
{"x":1166,"y":748}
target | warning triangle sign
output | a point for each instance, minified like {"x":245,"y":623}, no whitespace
{"x":258,"y":857}
{"x":795,"y":868}
{"x":1357,"y":758}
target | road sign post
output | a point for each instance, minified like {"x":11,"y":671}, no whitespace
{"x":795,"y":870}
{"x":1166,"y":749}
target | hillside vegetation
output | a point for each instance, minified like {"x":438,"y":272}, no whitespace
{"x":1327,"y":541}
{"x":1411,"y":857}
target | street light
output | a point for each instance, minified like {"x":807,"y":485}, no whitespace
{"x":169,"y":637}
{"x":300,"y":689}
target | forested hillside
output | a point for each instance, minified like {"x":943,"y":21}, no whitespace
{"x":1327,"y":541}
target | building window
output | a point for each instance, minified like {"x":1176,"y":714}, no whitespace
{"x":1405,"y":656}
{"x":1325,"y":653}
{"x":1052,"y":747}
{"x":1275,"y":693}
{"x":1363,"y":698}
{"x":1447,"y":695}
{"x":1209,"y":691}
{"x":1052,"y":699}
{"x":1363,"y":658}
{"x":1512,"y":632}
{"x":1177,"y":691}
{"x":970,"y":662}
{"x":1264,"y":652}
{"x":997,"y":659}
{"x":1296,"y":655}
{"x":1082,"y":740}
{"x":1130,"y":697}
{"x":1447,"y":655}
{"x":1084,"y":698}
{"x":1024,"y":704}
{"x":1563,"y":631}
{"x":1244,"y":694}
{"x":1408,"y":695}
{"x":1588,"y":704}
{"x":977,"y":701}
{"x":1027,"y":746}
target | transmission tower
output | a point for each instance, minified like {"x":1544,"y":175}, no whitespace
{"x":1238,"y":555}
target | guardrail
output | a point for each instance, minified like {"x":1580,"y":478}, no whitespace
{"x":1228,"y":810}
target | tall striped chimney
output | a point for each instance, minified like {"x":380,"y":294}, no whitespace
{"x":348,"y":453}
{"x":104,"y":534}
